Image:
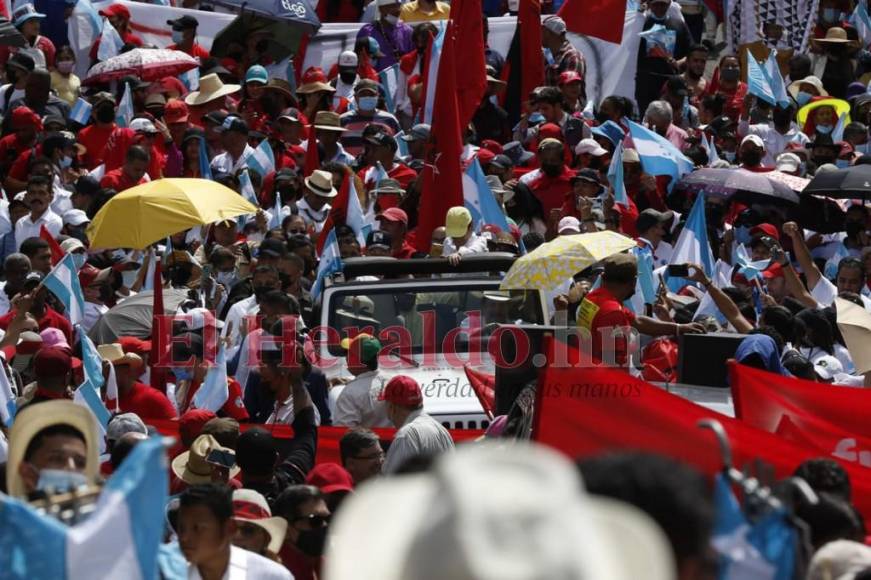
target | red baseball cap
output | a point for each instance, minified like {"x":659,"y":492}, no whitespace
{"x":485,"y":155}
{"x":766,"y":230}
{"x":550,"y":131}
{"x":25,"y":117}
{"x":176,"y":111}
{"x":134,"y":345}
{"x":116,"y":10}
{"x":570,"y":76}
{"x":402,"y":390}
{"x":190,"y":425}
{"x":52,"y":361}
{"x":491,"y":145}
{"x":394,"y":214}
{"x":330,"y":477}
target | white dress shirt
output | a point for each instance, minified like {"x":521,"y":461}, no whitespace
{"x":226,"y":164}
{"x":775,"y":141}
{"x":237,"y":312}
{"x":26,"y":227}
{"x":420,"y":435}
{"x":358,"y":404}
{"x":244,"y":564}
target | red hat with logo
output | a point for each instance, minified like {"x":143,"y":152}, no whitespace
{"x":765,"y":230}
{"x":330,"y":477}
{"x":550,"y":131}
{"x":116,"y":10}
{"x":402,"y":390}
{"x":570,"y":76}
{"x":176,"y":111}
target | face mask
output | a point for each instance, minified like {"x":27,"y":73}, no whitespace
{"x":391,"y":19}
{"x":260,"y":291}
{"x":742,"y":234}
{"x":59,"y":480}
{"x":830,"y":14}
{"x":824,"y":129}
{"x":348,"y":77}
{"x":11,"y":76}
{"x":729,"y":156}
{"x":226,"y":279}
{"x":313,"y":542}
{"x":66,"y":162}
{"x":128,"y":277}
{"x":852,"y":229}
{"x":781,"y":117}
{"x":367,"y":103}
{"x":177,"y":36}
{"x":751,"y":158}
{"x":842,"y":163}
{"x":803,"y":98}
{"x":551,"y":170}
{"x":730,"y":74}
{"x":65,"y":66}
{"x":182,"y":373}
{"x":105,"y":114}
{"x":79,"y":260}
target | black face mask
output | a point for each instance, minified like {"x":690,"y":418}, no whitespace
{"x":751,"y":158}
{"x":551,"y":170}
{"x":11,"y":76}
{"x":348,"y":77}
{"x":312,"y":542}
{"x":730,"y":74}
{"x":284,"y":279}
{"x":105,"y":114}
{"x":781,"y":118}
{"x":852,"y":229}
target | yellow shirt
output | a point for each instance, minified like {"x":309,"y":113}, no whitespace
{"x":67,"y":88}
{"x":412,"y":12}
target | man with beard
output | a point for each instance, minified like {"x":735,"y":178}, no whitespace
{"x":37,"y":198}
{"x":552,"y":181}
{"x":694,"y":75}
{"x":777,"y":134}
{"x":609,"y":323}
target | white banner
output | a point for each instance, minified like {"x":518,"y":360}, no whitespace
{"x":610,"y":67}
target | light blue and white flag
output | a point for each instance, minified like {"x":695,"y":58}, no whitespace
{"x":88,"y":393}
{"x":110,"y":42}
{"x":838,"y":131}
{"x":830,"y":270}
{"x":63,"y":281}
{"x":707,"y":306}
{"x":246,"y":188}
{"x":432,"y":73}
{"x":83,"y":26}
{"x":354,"y":217}
{"x":81,"y":111}
{"x":775,"y":80}
{"x":862,"y":23}
{"x":7,"y":398}
{"x":389,"y":80}
{"x":205,"y":166}
{"x":276,"y":217}
{"x":190,"y":79}
{"x":658,"y":155}
{"x":401,"y":145}
{"x":748,"y":268}
{"x":758,"y":81}
{"x":376,"y":174}
{"x":330,"y":263}
{"x":262,"y":159}
{"x":124,"y":114}
{"x":692,"y":245}
{"x":645,"y":287}
{"x":713,"y":157}
{"x":615,"y":176}
{"x":479,"y":199}
{"x":120,"y":539}
{"x":214,"y":392}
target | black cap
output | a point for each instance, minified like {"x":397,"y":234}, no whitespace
{"x":286,"y":174}
{"x":650,"y":217}
{"x":216,"y":117}
{"x":54,"y":120}
{"x":183,"y":22}
{"x":272,"y":248}
{"x":233,"y":123}
{"x":502,"y":161}
{"x":721,"y":124}
{"x":22,"y":61}
{"x":192,"y":133}
{"x":87,"y":185}
{"x":676,"y":86}
{"x":382,"y":140}
{"x":255,"y":450}
{"x":589,"y":175}
{"x":379,"y":238}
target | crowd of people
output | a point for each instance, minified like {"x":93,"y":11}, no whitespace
{"x":250,"y":502}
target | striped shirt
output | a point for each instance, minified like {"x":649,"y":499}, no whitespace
{"x":355,"y":123}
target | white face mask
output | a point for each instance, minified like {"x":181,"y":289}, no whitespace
{"x":177,"y":36}
{"x":391,"y":19}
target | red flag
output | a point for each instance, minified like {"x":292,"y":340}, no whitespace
{"x":159,"y":340}
{"x":484,"y":386}
{"x":443,"y":181}
{"x":600,"y":18}
{"x":472,"y":75}
{"x":586,"y":411}
{"x":57,"y":254}
{"x":531,"y":57}
{"x":337,"y":212}
{"x":312,"y":159}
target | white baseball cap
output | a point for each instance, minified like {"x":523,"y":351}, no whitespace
{"x":755,"y":139}
{"x":788,"y":162}
{"x":75,"y":217}
{"x":569,"y":224}
{"x":348,"y":58}
{"x":590,"y":146}
{"x":141,"y":125}
{"x":489,"y":512}
{"x":826,"y":367}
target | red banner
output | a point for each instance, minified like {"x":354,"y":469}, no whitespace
{"x":828,"y":416}
{"x":328,"y":437}
{"x":586,"y":411}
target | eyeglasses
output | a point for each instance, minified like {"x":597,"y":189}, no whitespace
{"x":314,"y":520}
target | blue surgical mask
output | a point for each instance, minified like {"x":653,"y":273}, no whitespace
{"x":79,"y":259}
{"x":842,"y":163}
{"x":66,"y":162}
{"x":830,"y":14}
{"x":742,"y":234}
{"x":60,"y":480}
{"x":729,"y":156}
{"x":824,"y":129}
{"x":803,"y":98}
{"x":183,"y":373}
{"x":367,"y":103}
{"x":177,"y":36}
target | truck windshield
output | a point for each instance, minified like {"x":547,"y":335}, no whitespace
{"x":425,"y":318}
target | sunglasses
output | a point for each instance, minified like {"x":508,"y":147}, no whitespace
{"x":314,"y":520}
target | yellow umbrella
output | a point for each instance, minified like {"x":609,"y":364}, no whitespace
{"x":551,"y":264}
{"x":152,"y":211}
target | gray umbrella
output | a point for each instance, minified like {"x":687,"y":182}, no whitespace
{"x":132,"y":317}
{"x":10,"y":36}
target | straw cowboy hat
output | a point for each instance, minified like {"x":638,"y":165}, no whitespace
{"x":211,"y":88}
{"x":115,"y":354}
{"x":321,"y":183}
{"x":192,"y":467}
{"x":34,"y":419}
{"x":250,"y":507}
{"x":835,"y":35}
{"x":815,"y":82}
{"x":328,"y":121}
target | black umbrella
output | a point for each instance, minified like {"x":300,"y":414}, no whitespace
{"x":743,"y":185}
{"x":850,"y":183}
{"x":11,"y":36}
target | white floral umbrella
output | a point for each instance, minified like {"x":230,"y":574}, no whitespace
{"x":148,"y":64}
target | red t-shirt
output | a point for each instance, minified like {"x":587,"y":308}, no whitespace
{"x":51,"y":319}
{"x":146,"y":402}
{"x":601,"y":310}
{"x":551,"y":191}
{"x":117,"y":180}
{"x":234,"y":407}
{"x":302,"y":567}
{"x":196,"y":50}
{"x":406,"y":252}
{"x":116,"y":147}
{"x":11,"y":149}
{"x":94,"y":138}
{"x":20,"y":169}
